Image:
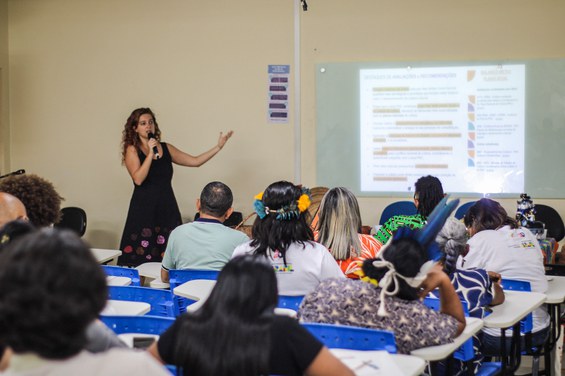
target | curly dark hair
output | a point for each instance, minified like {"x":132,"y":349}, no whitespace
{"x":407,"y":256}
{"x":51,"y":289}
{"x":430,"y":192}
{"x":129,"y":136}
{"x":272,"y":233}
{"x":41,"y":200}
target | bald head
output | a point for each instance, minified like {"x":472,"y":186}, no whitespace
{"x":11,"y":209}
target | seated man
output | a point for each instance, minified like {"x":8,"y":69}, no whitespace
{"x":206,"y":243}
{"x":11,"y":208}
{"x":52,"y":289}
{"x":41,"y":200}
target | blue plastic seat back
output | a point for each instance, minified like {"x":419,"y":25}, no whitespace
{"x":179,"y":276}
{"x":398,"y":208}
{"x":353,"y":338}
{"x":119,"y":271}
{"x":465,"y":352}
{"x":162,"y":302}
{"x":489,"y":369}
{"x":145,"y":324}
{"x":462,"y":210}
{"x":290,"y":302}
{"x":527,"y":324}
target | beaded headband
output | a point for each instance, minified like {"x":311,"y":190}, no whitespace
{"x":287,"y":212}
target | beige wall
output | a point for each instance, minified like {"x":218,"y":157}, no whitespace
{"x":78,"y":68}
{"x":4,"y":104}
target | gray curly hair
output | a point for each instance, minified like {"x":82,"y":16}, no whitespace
{"x":452,"y":240}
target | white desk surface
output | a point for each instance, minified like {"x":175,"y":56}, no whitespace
{"x":555,"y":290}
{"x":112,"y":280}
{"x":150,"y":269}
{"x":439,"y":352}
{"x":517,"y":304}
{"x":105,"y":255}
{"x":125,"y":308}
{"x":197,"y":289}
{"x":380,"y":362}
{"x":158,"y":284}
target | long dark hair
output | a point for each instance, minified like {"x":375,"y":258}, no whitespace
{"x":430,"y":192}
{"x":487,"y":214}
{"x":407,"y":256}
{"x":230,"y":333}
{"x":129,"y":136}
{"x":279,"y":234}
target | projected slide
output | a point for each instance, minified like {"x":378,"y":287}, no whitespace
{"x":464,"y":125}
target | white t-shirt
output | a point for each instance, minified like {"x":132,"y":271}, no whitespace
{"x":514,"y":254}
{"x":306,"y":266}
{"x":112,"y":362}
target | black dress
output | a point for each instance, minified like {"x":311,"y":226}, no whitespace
{"x":153,"y":213}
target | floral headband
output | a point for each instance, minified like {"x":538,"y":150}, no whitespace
{"x":287,"y":212}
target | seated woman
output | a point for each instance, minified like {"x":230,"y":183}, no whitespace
{"x":236,"y":332}
{"x":339,"y":229}
{"x":388,"y":297}
{"x":479,"y":288}
{"x":52,"y":289}
{"x":498,"y":244}
{"x":282,"y":236}
{"x":428,"y":192}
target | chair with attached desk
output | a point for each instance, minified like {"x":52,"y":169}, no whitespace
{"x":163,"y":302}
{"x":138,"y":324}
{"x":353,"y":338}
{"x":120,"y":271}
{"x":526,"y":325}
{"x":290,"y":302}
{"x":177,"y":277}
{"x":466,"y":353}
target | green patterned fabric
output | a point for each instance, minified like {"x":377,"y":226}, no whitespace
{"x":393,"y":223}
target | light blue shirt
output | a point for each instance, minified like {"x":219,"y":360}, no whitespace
{"x":204,"y":244}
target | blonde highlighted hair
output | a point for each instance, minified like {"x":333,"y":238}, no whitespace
{"x":340,"y":223}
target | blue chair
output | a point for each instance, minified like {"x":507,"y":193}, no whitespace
{"x":119,"y":271}
{"x":398,"y":208}
{"x":462,"y":210}
{"x":353,"y":338}
{"x":466,"y":353}
{"x":290,"y":302}
{"x":153,"y":325}
{"x":526,"y":325}
{"x":179,"y":276}
{"x":138,"y":324}
{"x":163,"y":302}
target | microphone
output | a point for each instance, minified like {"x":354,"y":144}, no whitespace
{"x":155,"y":150}
{"x":18,"y":172}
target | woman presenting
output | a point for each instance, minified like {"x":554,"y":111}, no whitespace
{"x":153,"y":211}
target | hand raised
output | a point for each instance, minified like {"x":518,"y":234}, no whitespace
{"x":224,"y":138}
